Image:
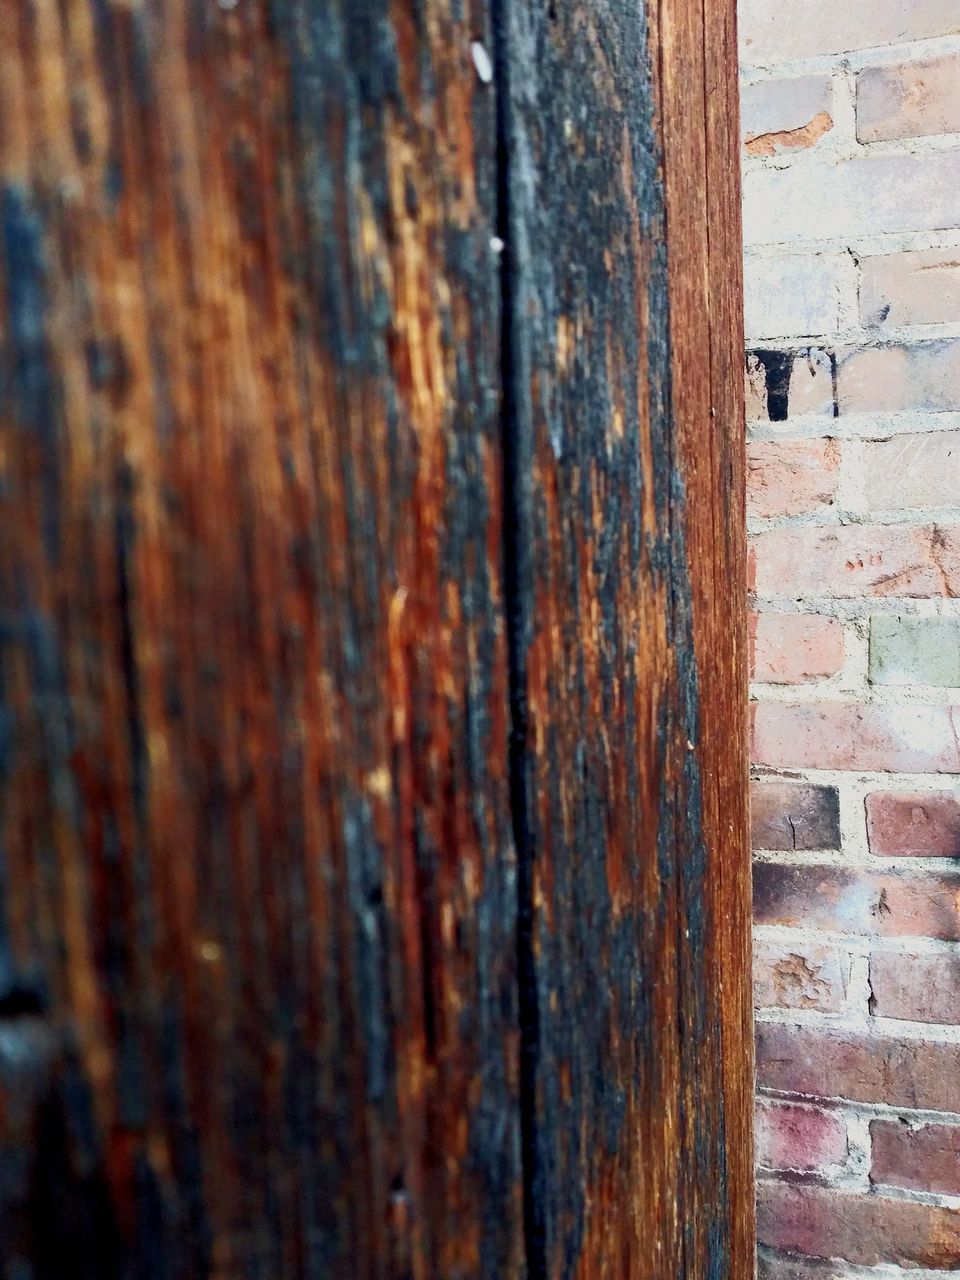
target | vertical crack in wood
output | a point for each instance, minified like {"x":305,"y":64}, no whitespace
{"x":516,"y":467}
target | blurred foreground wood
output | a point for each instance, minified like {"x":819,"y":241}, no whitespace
{"x":373,"y":896}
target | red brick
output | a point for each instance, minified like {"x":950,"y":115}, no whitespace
{"x":922,"y":287}
{"x":856,"y":560}
{"x":790,"y":648}
{"x":800,"y":976}
{"x":922,"y":1159}
{"x":786,"y":478}
{"x":841,"y":900}
{"x":793,"y":815}
{"x":923,"y":376}
{"x":790,"y":1135}
{"x":909,"y":99}
{"x":770,"y":33}
{"x":845,"y":735}
{"x":868,"y":1230}
{"x":918,"y":988}
{"x":862,"y":1066}
{"x":915,"y":824}
{"x":912,"y":471}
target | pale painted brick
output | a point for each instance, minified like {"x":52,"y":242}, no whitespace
{"x":791,"y":648}
{"x":787,"y":297}
{"x":909,"y":288}
{"x":785,"y":115}
{"x":847,"y":735}
{"x":922,"y":376}
{"x":771,"y":31}
{"x":851,"y":198}
{"x":800,"y":975}
{"x":856,"y":560}
{"x":912,"y":471}
{"x":787,"y":478}
{"x":915,"y":651}
{"x":909,"y":100}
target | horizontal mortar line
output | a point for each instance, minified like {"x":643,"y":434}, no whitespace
{"x":860,"y":945}
{"x":852,"y":1271}
{"x":812,"y":1019}
{"x":935,"y":1199}
{"x":851,"y":60}
{"x":836,"y":517}
{"x":894,"y":779}
{"x":858,"y":426}
{"x":838,"y":937}
{"x":809,"y":1019}
{"x":837,"y":1174}
{"x":913,"y":1029}
{"x":869,"y":1110}
{"x":813,"y":692}
{"x":850,"y":150}
{"x":847,"y":860}
{"x":857,"y":610}
{"x":810,"y":603}
{"x":850,"y":241}
{"x":833,"y":689}
{"x":861,"y":337}
{"x":876,"y":244}
{"x":864,"y":1188}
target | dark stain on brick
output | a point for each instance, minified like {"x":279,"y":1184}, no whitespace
{"x":777,"y":367}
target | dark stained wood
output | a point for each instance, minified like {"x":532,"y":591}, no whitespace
{"x":373,"y":895}
{"x":260,"y":885}
{"x":624,"y":429}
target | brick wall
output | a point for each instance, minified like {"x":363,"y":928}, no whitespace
{"x":851,"y":117}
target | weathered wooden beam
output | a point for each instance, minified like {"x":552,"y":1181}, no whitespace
{"x":624,"y":427}
{"x":259,"y":873}
{"x":372,"y":896}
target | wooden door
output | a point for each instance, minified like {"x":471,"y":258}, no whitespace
{"x":373,"y":894}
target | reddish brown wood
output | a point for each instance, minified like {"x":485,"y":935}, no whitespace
{"x":702,"y":167}
{"x":625,"y":428}
{"x":260,"y":900}
{"x":373,"y":892}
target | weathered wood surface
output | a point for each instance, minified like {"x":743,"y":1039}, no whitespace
{"x":628,"y":647}
{"x":259,"y":869}
{"x":372,"y":771}
{"x":702,"y":181}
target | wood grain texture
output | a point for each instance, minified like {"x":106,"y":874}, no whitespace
{"x":625,"y":444}
{"x":260,"y":888}
{"x":702,"y":167}
{"x":373,"y":894}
